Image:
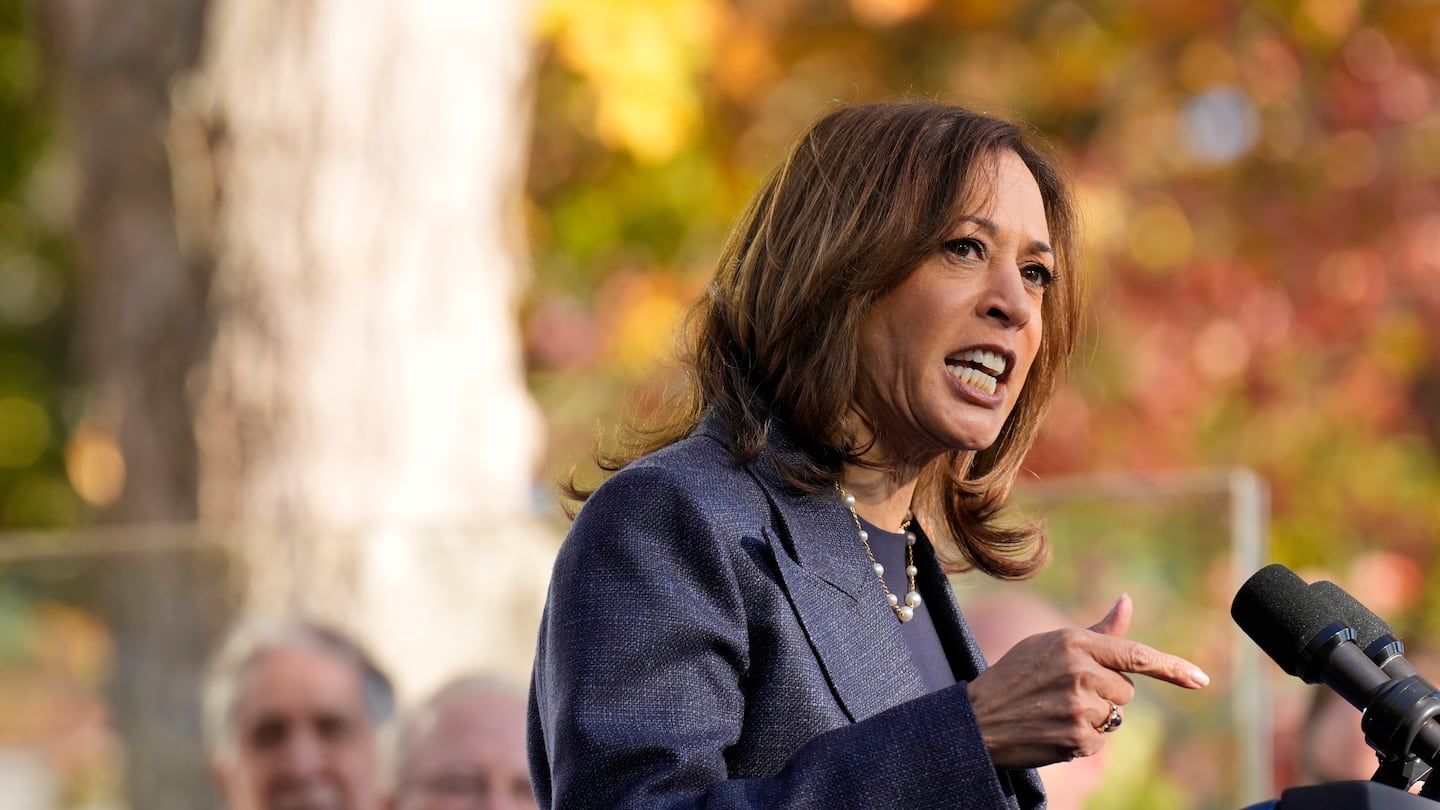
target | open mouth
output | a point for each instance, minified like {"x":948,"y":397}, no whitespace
{"x":983,"y":369}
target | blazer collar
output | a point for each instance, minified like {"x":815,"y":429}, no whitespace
{"x":820,"y":533}
{"x":833,"y":588}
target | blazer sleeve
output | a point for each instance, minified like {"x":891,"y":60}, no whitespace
{"x":638,"y":685}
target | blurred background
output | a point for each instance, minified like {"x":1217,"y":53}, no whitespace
{"x":306,"y":305}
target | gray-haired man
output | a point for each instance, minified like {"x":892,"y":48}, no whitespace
{"x":292,"y":712}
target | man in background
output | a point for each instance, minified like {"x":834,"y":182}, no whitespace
{"x":464,"y":747}
{"x":292,"y":713}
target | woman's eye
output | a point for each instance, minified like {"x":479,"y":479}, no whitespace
{"x":965,"y":248}
{"x":1038,"y":275}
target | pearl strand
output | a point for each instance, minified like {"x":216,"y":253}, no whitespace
{"x":905,"y":612}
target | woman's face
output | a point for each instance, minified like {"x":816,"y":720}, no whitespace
{"x":943,"y":356}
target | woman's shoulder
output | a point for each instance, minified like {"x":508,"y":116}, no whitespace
{"x":704,"y":453}
{"x":694,"y":485}
{"x":698,"y":465}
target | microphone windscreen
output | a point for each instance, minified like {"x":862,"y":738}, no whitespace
{"x":1367,"y":626}
{"x":1280,"y":613}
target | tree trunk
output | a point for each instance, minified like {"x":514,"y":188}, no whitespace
{"x":139,"y":327}
{"x":318,"y":354}
{"x":353,"y":170}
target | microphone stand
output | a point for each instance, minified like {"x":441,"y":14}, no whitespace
{"x":1394,"y":720}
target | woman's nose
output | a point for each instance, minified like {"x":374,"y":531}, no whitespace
{"x":1006,"y":298}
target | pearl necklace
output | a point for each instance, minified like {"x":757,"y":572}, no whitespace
{"x":906,"y":612}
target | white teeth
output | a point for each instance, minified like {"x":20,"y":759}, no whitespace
{"x":973,"y":377}
{"x":994,"y":363}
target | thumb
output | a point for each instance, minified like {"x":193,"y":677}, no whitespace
{"x":1117,"y":621}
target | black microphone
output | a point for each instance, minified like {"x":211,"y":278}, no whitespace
{"x":1305,"y":633}
{"x":1302,"y":633}
{"x":1372,"y":633}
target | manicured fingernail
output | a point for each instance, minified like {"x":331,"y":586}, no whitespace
{"x":1200,"y":677}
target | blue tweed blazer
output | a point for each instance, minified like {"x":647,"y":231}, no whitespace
{"x":713,"y":638}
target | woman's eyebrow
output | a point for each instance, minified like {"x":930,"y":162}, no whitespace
{"x":991,"y":228}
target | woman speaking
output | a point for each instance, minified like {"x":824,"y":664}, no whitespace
{"x":753,"y":610}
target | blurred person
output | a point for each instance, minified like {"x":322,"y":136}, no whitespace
{"x":1330,"y":746}
{"x":292,"y":715}
{"x":464,"y":747}
{"x":1001,"y":621}
{"x":753,"y":611}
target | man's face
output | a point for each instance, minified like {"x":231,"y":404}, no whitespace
{"x":468,"y":752}
{"x":303,"y":738}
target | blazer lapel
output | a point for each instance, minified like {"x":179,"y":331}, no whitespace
{"x":839,"y":602}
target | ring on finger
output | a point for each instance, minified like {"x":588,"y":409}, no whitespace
{"x":1113,"y":721}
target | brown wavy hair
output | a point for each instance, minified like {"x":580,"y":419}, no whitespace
{"x":861,"y":200}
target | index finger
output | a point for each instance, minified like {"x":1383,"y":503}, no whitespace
{"x":1124,"y":655}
